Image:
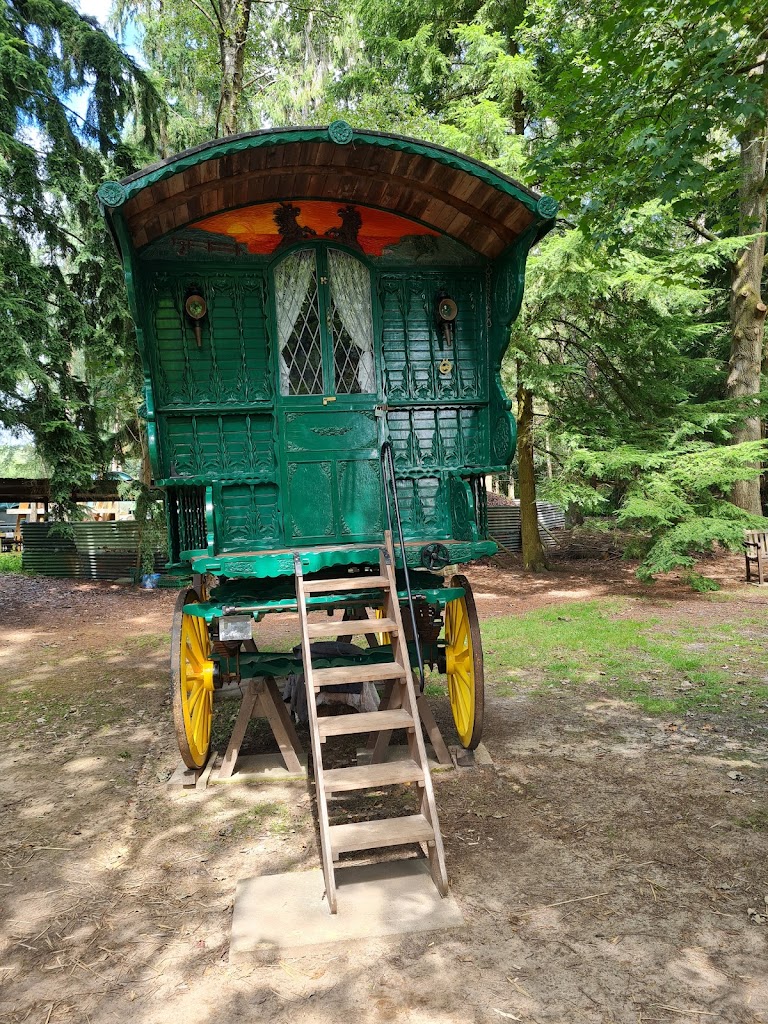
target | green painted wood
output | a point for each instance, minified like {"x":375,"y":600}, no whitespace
{"x":278,"y":665}
{"x":278,"y":595}
{"x":251,"y":474}
{"x":280,"y":563}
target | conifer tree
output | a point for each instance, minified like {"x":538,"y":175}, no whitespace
{"x":67,"y":362}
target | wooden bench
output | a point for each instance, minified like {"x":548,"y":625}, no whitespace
{"x":756,"y":553}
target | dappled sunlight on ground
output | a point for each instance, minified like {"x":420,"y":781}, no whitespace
{"x":604,"y":864}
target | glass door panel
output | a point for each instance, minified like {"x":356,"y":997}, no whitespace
{"x":351,"y":324}
{"x":299,"y":332}
{"x":327,"y":422}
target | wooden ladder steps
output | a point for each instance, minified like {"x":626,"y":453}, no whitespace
{"x":370,"y":835}
{"x":371,"y":776}
{"x":357,"y":674}
{"x":365,"y":721}
{"x":346,"y":583}
{"x":398,"y":710}
{"x":350,"y":627}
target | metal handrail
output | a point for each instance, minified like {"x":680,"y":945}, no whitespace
{"x":390,"y":486}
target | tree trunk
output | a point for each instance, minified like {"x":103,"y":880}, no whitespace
{"x":234,"y":18}
{"x":747,"y":309}
{"x":533,"y":550}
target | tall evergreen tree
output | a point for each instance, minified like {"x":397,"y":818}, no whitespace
{"x":668,"y":103}
{"x":66,"y":358}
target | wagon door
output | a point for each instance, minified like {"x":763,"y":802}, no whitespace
{"x":331,"y":482}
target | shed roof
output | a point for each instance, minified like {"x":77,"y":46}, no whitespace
{"x":460,"y":197}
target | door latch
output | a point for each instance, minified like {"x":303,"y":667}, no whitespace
{"x":330,"y":398}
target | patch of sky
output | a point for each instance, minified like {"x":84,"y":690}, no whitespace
{"x":128,"y":40}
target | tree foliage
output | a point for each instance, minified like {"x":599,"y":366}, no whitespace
{"x":228,"y":66}
{"x":643,"y":103}
{"x":638,"y":352}
{"x":667,"y":103}
{"x":627,"y":352}
{"x":67,"y":361}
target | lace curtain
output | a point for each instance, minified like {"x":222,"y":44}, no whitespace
{"x":292,"y":279}
{"x":351,"y":294}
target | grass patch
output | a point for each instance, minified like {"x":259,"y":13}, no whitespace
{"x":10,"y":561}
{"x":435,"y":690}
{"x":148,"y":641}
{"x":662,"y":669}
{"x":271,"y":816}
{"x":757,"y":821}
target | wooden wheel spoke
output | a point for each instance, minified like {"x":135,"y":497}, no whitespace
{"x":197,"y":728}
{"x":194,"y":697}
{"x":191,"y":692}
{"x":463,"y":694}
{"x":202,"y":635}
{"x":464,"y":655}
{"x":193,"y":655}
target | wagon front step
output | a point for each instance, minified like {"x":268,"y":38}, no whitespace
{"x":367,"y":835}
{"x":371,"y":776}
{"x":399,"y":709}
{"x":346,"y":583}
{"x":357,"y":673}
{"x":352,"y":627}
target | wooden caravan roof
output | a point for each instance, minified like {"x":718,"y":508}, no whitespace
{"x":460,"y":197}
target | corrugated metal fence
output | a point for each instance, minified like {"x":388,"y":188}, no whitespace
{"x":89,"y":551}
{"x":504,"y":524}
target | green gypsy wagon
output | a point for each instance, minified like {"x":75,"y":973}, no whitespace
{"x":322,"y":315}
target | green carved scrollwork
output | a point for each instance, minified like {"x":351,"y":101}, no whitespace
{"x":340,"y":132}
{"x":330,"y":431}
{"x":547,"y":207}
{"x":463,"y":523}
{"x":111,"y":193}
{"x":197,"y":451}
{"x":254,"y":524}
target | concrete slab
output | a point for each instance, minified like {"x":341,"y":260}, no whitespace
{"x":256,"y":768}
{"x":277,"y":913}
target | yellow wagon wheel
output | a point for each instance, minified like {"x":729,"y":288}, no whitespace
{"x":464,"y":664}
{"x":191,"y":682}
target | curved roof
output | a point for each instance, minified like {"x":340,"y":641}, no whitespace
{"x":460,"y":197}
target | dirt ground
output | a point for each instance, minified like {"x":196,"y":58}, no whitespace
{"x":603,"y":863}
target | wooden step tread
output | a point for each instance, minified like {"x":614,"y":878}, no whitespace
{"x":352,"y":627}
{"x":366,"y":721}
{"x":346,"y":583}
{"x":370,"y":835}
{"x":357,"y":674}
{"x":366,"y":776}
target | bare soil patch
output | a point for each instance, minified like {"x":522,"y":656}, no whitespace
{"x":605,"y":864}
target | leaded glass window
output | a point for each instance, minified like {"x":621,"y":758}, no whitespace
{"x":321,"y":317}
{"x":349,"y":319}
{"x":298,"y":325}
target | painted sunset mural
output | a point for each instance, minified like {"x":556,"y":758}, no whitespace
{"x":265,"y":227}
